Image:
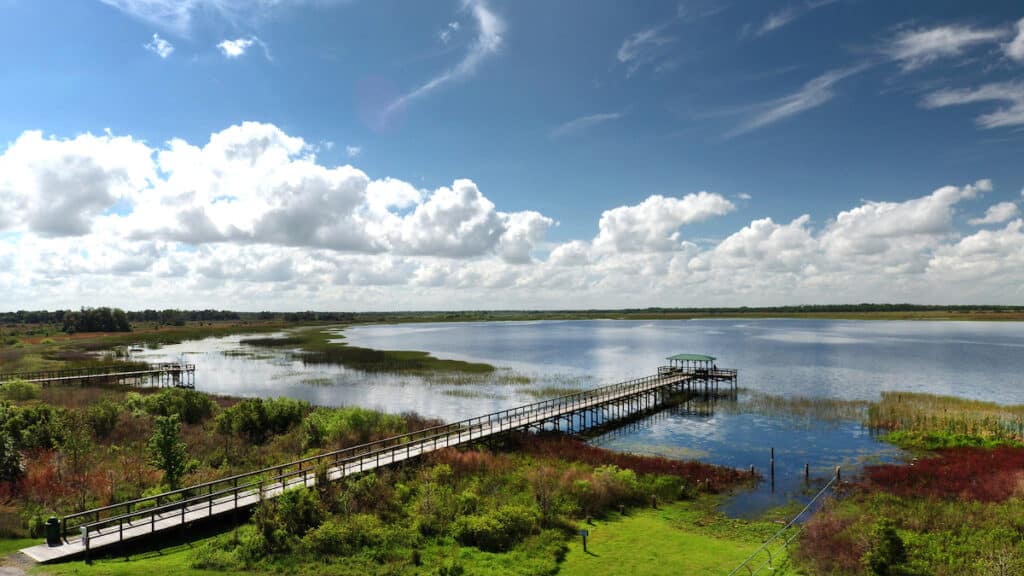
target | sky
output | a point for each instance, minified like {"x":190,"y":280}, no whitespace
{"x":486,"y":154}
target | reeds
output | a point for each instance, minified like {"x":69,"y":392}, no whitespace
{"x":929,"y":414}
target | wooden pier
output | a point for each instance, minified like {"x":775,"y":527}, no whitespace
{"x":167,"y":374}
{"x":112,"y":525}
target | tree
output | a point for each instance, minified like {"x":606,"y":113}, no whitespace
{"x":10,"y":459}
{"x":77,"y":452}
{"x":166,"y":450}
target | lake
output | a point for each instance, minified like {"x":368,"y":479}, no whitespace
{"x":847,"y":360}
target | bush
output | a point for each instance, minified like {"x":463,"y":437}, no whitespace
{"x":887,"y":555}
{"x":32,"y":427}
{"x":497,"y":531}
{"x":345,"y":536}
{"x":326,"y":426}
{"x":102,"y":417}
{"x":11,"y":467}
{"x":256,"y":419}
{"x":20,"y":390}
{"x":190,"y":406}
{"x":299,"y":510}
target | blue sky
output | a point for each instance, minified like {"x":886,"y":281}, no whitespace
{"x":560,"y":112}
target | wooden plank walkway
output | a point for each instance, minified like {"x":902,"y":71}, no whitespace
{"x":227,"y":495}
{"x":168,"y":373}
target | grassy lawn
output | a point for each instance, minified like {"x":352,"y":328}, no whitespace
{"x":682,"y":538}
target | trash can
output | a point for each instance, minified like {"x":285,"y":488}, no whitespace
{"x":53,"y":532}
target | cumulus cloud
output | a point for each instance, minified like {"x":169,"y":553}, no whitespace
{"x":232,"y":49}
{"x":252,"y":219}
{"x":653,"y":225}
{"x":1011,"y":94}
{"x":57,"y":187}
{"x":916,"y":48}
{"x":489,"y":38}
{"x":997,"y":214}
{"x":159,"y":46}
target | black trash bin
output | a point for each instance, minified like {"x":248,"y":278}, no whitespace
{"x":53,"y":532}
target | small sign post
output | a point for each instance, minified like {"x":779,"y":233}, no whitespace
{"x":584,"y":533}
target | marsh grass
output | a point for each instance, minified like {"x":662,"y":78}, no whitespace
{"x":928,"y":421}
{"x":798,"y":407}
{"x":320,"y":346}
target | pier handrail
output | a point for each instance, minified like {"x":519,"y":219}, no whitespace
{"x":210,"y":490}
{"x":111,"y":370}
{"x":781,"y":531}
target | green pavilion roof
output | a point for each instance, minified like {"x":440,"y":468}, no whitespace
{"x":692,"y":357}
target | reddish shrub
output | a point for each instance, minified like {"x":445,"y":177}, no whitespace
{"x":987,"y":475}
{"x":573,"y":450}
{"x":828,"y":545}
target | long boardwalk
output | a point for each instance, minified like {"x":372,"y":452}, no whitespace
{"x":111,"y":525}
{"x":177,"y":374}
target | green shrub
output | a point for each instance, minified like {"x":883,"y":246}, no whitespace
{"x":346,"y":536}
{"x":32,"y":427}
{"x":887,"y":555}
{"x":497,"y":531}
{"x":20,"y":390}
{"x":299,"y":510}
{"x":327,"y":426}
{"x":11,"y":467}
{"x":256,"y":419}
{"x":190,"y":406}
{"x":102,"y":417}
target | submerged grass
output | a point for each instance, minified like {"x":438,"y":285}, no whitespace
{"x":799,"y":407}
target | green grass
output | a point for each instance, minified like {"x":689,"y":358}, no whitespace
{"x":681,"y":538}
{"x":12,"y":545}
{"x":164,"y":562}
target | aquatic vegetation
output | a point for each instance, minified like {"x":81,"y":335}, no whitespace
{"x":928,"y":421}
{"x":798,"y":407}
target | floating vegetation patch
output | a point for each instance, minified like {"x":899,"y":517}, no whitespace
{"x":274,"y":341}
{"x":471,"y":393}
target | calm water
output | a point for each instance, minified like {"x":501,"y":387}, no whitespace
{"x":838,"y":359}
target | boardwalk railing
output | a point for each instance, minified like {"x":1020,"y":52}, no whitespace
{"x":783,"y":538}
{"x":115,"y":370}
{"x":245,"y":489}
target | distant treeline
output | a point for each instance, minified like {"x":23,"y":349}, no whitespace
{"x":115,"y":319}
{"x":106,"y":319}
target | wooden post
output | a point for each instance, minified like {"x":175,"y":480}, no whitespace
{"x":807,"y":472}
{"x":839,"y":478}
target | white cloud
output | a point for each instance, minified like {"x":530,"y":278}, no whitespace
{"x":787,"y":15}
{"x":916,"y":48}
{"x":997,"y":214}
{"x":159,"y":46}
{"x":445,"y":35}
{"x":583,"y":123}
{"x":653,"y":225}
{"x":639,"y":48}
{"x":58,"y":187}
{"x":814,"y":93}
{"x":177,"y":16}
{"x":744,"y":196}
{"x":1015,"y":48}
{"x":491,"y":29}
{"x":1010,"y":93}
{"x":353,"y":151}
{"x":251,"y":219}
{"x":235,"y":48}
